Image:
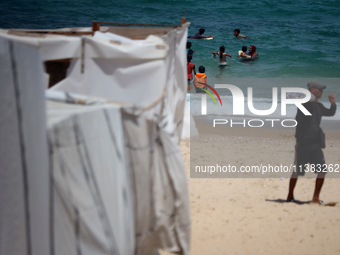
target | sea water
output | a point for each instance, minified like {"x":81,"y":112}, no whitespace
{"x":297,"y":41}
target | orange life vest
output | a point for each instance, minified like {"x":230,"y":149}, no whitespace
{"x":200,"y":78}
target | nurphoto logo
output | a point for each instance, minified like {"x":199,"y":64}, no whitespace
{"x":239,"y":105}
{"x":238,"y":100}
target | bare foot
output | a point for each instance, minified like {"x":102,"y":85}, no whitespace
{"x":290,"y":199}
{"x":317,"y":201}
{"x":320,"y":202}
{"x":290,"y":196}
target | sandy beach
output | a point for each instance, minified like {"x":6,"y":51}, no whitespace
{"x":250,"y":215}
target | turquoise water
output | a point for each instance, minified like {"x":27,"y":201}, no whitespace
{"x":294,"y":39}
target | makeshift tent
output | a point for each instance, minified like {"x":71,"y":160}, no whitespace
{"x":109,"y":177}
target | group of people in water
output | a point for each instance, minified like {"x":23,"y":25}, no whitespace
{"x":201,"y":78}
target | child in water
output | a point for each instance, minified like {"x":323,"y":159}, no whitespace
{"x":189,"y":50}
{"x":190,"y":68}
{"x":201,"y":80}
{"x":222,"y":55}
{"x":243,"y":52}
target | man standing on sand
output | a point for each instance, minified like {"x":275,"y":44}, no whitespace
{"x":310,"y":140}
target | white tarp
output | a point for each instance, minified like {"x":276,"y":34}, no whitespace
{"x":51,"y":47}
{"x":176,"y":82}
{"x":92,"y":194}
{"x":138,"y":148}
{"x":162,"y":205}
{"x":24,"y":175}
{"x":120,"y":72}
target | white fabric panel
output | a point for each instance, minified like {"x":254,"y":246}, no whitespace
{"x":59,"y":47}
{"x":177,"y":177}
{"x":177,"y":75}
{"x":114,"y":37}
{"x":86,"y":150}
{"x":162,"y":206}
{"x":51,"y":47}
{"x":24,"y":175}
{"x":93,"y":194}
{"x":12,"y":210}
{"x":138,"y":137}
{"x":122,"y":82}
{"x":152,"y":47}
{"x":128,"y":76}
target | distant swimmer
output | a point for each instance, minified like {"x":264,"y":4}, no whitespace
{"x":238,"y":35}
{"x":199,"y":35}
{"x":222,"y":55}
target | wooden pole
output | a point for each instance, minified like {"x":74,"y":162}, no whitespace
{"x":95,"y":26}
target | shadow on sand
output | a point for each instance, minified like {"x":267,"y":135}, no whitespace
{"x":281,"y":201}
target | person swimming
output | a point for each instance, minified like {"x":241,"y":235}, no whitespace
{"x":238,"y":35}
{"x":199,"y":35}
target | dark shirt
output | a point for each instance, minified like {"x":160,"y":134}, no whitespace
{"x":308,"y":127}
{"x":196,"y":36}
